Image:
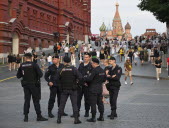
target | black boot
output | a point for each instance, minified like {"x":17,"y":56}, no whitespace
{"x":50,"y":114}
{"x":112,"y":115}
{"x":93,"y":119}
{"x":101,"y":118}
{"x":41,"y":118}
{"x":86,"y":114}
{"x":64,"y":114}
{"x":59,"y":119}
{"x":77,"y":121}
{"x":26,"y":118}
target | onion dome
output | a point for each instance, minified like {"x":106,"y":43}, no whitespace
{"x":127,"y":26}
{"x":103,"y":27}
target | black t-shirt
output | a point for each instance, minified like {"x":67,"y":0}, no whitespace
{"x":158,"y":62}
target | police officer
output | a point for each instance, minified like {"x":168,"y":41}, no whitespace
{"x":96,"y":79}
{"x":84,"y":68}
{"x":51,"y":76}
{"x":113,"y":76}
{"x":68,"y":79}
{"x":31,"y":74}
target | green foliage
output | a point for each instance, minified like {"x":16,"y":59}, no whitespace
{"x":159,"y":8}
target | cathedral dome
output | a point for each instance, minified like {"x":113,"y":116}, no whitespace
{"x":103,"y":27}
{"x":127,"y":26}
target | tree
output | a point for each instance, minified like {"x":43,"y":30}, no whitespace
{"x":159,"y":8}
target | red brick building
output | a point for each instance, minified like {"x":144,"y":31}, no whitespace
{"x":31,"y":23}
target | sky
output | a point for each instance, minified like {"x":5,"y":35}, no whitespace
{"x":104,"y":11}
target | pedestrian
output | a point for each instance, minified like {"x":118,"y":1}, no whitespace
{"x":85,"y":68}
{"x":49,"y":59}
{"x":73,"y":59}
{"x":35,"y":57}
{"x":80,"y":56}
{"x":10,"y":57}
{"x":31,"y":74}
{"x":66,"y":50}
{"x":121,"y":53}
{"x":136,"y":57}
{"x":18,"y":61}
{"x":105,"y":91}
{"x":113,"y":76}
{"x":14,"y":62}
{"x":95,"y":81}
{"x":128,"y":71}
{"x":52,"y":77}
{"x":158,"y":63}
{"x":68,"y":77}
{"x":43,"y":62}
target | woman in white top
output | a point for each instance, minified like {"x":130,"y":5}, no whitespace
{"x":49,"y":59}
{"x":136,"y":57}
{"x":73,"y":59}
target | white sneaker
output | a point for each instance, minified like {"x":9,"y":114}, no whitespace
{"x":131,"y":83}
{"x":125,"y":82}
{"x":158,"y":79}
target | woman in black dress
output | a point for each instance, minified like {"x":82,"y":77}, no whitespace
{"x":10,"y":57}
{"x":18,"y":61}
{"x":35,"y":57}
{"x":102,"y":55}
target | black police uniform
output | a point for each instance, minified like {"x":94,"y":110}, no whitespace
{"x":31,"y":73}
{"x":68,"y":79}
{"x":52,"y":75}
{"x":83,"y":90}
{"x":96,"y":79}
{"x":113,"y":88}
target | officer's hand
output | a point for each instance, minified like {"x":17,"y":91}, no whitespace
{"x":108,"y":75}
{"x":50,"y":84}
{"x":107,"y":71}
{"x":113,"y":76}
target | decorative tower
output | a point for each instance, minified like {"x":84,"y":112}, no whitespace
{"x":103,"y":30}
{"x":117,"y":25}
{"x":127,"y":34}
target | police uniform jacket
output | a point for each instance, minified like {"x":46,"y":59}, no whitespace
{"x":68,"y":76}
{"x":85,"y":69}
{"x":30,"y":72}
{"x":52,"y":74}
{"x":115,"y":82}
{"x":95,"y":80}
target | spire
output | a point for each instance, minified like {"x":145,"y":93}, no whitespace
{"x":117,"y":25}
{"x":109,"y":28}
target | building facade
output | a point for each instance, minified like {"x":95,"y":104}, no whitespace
{"x":31,"y":23}
{"x":116,"y":30}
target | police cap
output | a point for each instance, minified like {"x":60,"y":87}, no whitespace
{"x":56,"y":56}
{"x":86,"y":53}
{"x":112,"y":58}
{"x":95,"y":60}
{"x":66,"y":59}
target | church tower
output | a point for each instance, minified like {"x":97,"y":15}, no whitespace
{"x":117,"y":25}
{"x":127,"y":34}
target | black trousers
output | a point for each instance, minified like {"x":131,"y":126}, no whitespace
{"x":113,"y":92}
{"x":32,"y":90}
{"x":96,"y":99}
{"x":73,"y":97}
{"x":84,"y":91}
{"x":53,"y":92}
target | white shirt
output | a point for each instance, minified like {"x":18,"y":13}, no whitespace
{"x":66,"y":49}
{"x":49,"y":58}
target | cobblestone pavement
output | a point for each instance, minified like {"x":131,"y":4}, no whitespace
{"x":143,"y":105}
